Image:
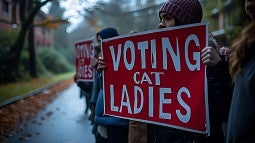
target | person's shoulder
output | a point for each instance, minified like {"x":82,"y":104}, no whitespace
{"x":248,"y":71}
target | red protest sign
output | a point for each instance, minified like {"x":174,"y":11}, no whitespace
{"x":84,"y":52}
{"x":158,"y":77}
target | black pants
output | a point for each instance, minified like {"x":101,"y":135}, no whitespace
{"x":161,"y":134}
{"x":117,"y":134}
{"x":100,"y":139}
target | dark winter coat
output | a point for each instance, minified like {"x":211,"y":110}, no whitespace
{"x":86,"y":87}
{"x":97,"y":97}
{"x":219,"y":99}
{"x":105,"y":120}
{"x":96,"y":88}
{"x":241,"y":123}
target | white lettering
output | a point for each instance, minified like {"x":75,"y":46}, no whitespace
{"x":129,"y":45}
{"x":138,"y":102}
{"x":166,"y":45}
{"x":196,"y":55}
{"x":127,"y":102}
{"x":115,"y":60}
{"x":153,"y":54}
{"x":182,"y":117}
{"x":147,"y":78}
{"x":162,"y":101}
{"x":85,"y":71}
{"x":143,"y":46}
{"x":84,"y":51}
{"x":113,"y":107}
{"x":167,"y":50}
{"x":151,"y":114}
{"x":135,"y":79}
{"x":136,"y":108}
{"x":157,"y":77}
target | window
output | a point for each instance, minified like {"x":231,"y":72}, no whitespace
{"x":14,"y":17}
{"x":5,"y":8}
{"x":38,"y":44}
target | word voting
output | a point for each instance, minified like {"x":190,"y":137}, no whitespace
{"x":130,"y":51}
{"x":84,"y":53}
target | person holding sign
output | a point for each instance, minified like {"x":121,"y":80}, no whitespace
{"x":175,"y":13}
{"x":109,"y":129}
{"x":84,"y":72}
{"x":219,"y":86}
{"x":93,"y":62}
{"x":183,"y":12}
{"x":242,"y":68}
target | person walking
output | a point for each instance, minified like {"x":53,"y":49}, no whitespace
{"x":242,"y":68}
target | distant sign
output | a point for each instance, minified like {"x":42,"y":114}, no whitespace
{"x":158,"y":77}
{"x":84,"y":52}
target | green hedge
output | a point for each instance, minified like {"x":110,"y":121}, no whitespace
{"x":53,"y":61}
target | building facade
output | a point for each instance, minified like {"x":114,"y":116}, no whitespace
{"x":9,"y":20}
{"x":43,"y":37}
{"x":9,"y":15}
{"x":220,"y":22}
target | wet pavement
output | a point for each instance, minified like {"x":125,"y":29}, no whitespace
{"x":61,"y":121}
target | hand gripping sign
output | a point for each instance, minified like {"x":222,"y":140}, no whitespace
{"x":84,"y":52}
{"x":158,"y":77}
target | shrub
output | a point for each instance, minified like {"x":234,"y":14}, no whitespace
{"x":7,"y":38}
{"x":4,"y":56}
{"x":67,"y":52}
{"x":53,"y":61}
{"x":41,"y":69}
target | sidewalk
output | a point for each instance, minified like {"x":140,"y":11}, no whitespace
{"x":21,"y":111}
{"x":62,"y":121}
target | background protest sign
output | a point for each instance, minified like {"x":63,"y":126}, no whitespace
{"x":84,"y":52}
{"x":158,"y":77}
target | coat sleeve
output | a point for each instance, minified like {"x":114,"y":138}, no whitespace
{"x":96,"y":89}
{"x":219,"y":91}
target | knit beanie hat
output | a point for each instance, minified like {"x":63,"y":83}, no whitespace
{"x":108,"y":33}
{"x":183,"y":11}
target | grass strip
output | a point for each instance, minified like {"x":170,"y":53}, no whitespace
{"x":10,"y":90}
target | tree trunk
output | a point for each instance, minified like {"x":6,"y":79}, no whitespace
{"x":32,"y":55}
{"x":15,"y":52}
{"x":27,"y":11}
